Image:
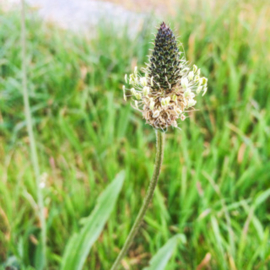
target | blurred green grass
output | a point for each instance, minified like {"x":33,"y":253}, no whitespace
{"x":214,"y":186}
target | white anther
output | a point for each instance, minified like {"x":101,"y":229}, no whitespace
{"x":191,"y":102}
{"x":143,"y":81}
{"x":146,"y":91}
{"x":163,"y":102}
{"x":124,"y":93}
{"x":133,"y":91}
{"x":178,"y":111}
{"x":191,"y":75}
{"x":199,"y":89}
{"x":187,"y":93}
{"x":152,"y":104}
{"x":204,"y":90}
{"x":152,"y":78}
{"x":167,"y":100}
{"x":132,"y":79}
{"x":184,"y":82}
{"x":156,"y":114}
{"x":204,"y":81}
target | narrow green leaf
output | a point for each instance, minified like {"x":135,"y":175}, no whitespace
{"x":80,"y":244}
{"x":262,"y":197}
{"x":161,"y":258}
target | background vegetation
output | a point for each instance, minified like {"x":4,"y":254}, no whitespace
{"x":214,"y":186}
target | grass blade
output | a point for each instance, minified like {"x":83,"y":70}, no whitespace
{"x":33,"y":148}
{"x":161,"y":258}
{"x":80,"y":244}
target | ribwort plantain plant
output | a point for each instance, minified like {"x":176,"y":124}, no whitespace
{"x":163,"y":95}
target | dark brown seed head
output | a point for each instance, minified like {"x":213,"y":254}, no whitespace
{"x":164,"y":62}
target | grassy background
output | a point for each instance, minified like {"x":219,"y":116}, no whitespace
{"x":214,"y":185}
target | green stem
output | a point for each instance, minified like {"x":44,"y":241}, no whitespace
{"x":159,"y":158}
{"x":34,"y":156}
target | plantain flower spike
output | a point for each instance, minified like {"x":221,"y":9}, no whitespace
{"x":168,"y":87}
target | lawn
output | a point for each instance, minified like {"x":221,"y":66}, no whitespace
{"x":215,"y":182}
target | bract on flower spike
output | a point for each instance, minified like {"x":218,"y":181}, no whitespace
{"x":169,"y":86}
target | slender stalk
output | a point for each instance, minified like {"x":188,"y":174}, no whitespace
{"x":159,"y":158}
{"x":34,"y":156}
